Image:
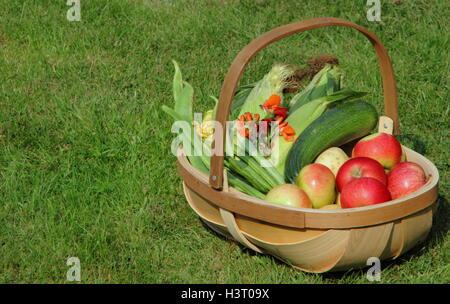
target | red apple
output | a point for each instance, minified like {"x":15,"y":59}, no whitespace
{"x":288,"y":195}
{"x":364,"y":191}
{"x":405,"y":178}
{"x":382,"y":147}
{"x":319,"y":184}
{"x":359,"y":167}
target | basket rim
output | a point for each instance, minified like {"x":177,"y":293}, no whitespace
{"x":429,"y":190}
{"x":249,"y":235}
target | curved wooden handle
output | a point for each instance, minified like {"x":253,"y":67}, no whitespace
{"x":240,"y":62}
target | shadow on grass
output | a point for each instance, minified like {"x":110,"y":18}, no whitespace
{"x":414,"y":142}
{"x":436,"y":237}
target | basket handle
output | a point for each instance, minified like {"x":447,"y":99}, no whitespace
{"x":248,"y":52}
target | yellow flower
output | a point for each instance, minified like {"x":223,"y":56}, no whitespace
{"x":206,"y":128}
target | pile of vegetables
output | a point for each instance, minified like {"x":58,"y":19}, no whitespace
{"x":288,"y":117}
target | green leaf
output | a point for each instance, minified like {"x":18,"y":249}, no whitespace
{"x":183,"y":94}
{"x":240,"y":97}
{"x":172,"y":113}
{"x":177,"y":81}
{"x":183,"y":104}
{"x":216,"y":104}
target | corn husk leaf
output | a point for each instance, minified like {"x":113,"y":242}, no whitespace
{"x":279,"y":78}
{"x":325,"y":82}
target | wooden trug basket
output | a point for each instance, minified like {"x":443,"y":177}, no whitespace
{"x":312,"y":240}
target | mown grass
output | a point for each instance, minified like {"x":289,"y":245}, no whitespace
{"x":85,"y":163}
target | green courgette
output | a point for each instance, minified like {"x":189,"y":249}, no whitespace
{"x":339,"y":125}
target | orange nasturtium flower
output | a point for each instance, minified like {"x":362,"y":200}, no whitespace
{"x":280,"y":112}
{"x":247,"y":117}
{"x":288,"y":133}
{"x":271,"y":105}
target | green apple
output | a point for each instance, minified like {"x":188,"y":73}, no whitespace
{"x":288,"y":195}
{"x":333,"y":158}
{"x":319,"y":184}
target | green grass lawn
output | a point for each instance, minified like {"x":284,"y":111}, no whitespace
{"x":85,"y":162}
